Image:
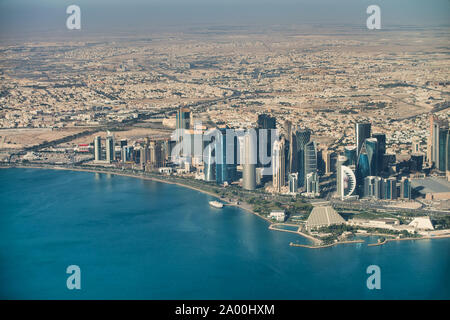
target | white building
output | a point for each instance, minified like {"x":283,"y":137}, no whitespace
{"x":279,"y":216}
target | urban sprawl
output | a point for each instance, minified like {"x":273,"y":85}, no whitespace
{"x":331,"y":137}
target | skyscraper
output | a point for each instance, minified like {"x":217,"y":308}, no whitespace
{"x":389,"y":189}
{"x":127,"y":153}
{"x":371,"y":145}
{"x":310,"y":158}
{"x":293,"y":153}
{"x":350,"y":153}
{"x":346,"y":180}
{"x":362,"y":168}
{"x":110,"y":149}
{"x":249,"y":163}
{"x":437,"y":145}
{"x":278,"y":165}
{"x":225,"y":166}
{"x":369,"y":187}
{"x":362,"y":132}
{"x":417,"y":160}
{"x":442,"y":147}
{"x":405,"y":188}
{"x":183,"y":119}
{"x":330,"y":159}
{"x":302,"y":138}
{"x":381,"y":150}
{"x":98,"y":148}
{"x":268,"y":123}
{"x":312,"y":184}
{"x":293,"y":182}
{"x":156,"y":156}
{"x":210,"y":167}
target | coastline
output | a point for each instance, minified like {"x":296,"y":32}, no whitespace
{"x":272,"y":224}
{"x":143,"y":177}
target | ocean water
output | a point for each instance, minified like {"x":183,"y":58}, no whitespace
{"x":137,"y":239}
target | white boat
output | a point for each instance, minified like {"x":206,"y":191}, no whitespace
{"x":216,"y":204}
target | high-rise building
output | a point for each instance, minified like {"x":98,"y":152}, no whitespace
{"x":389,"y":189}
{"x":447,"y":154}
{"x":381,"y":150}
{"x":310,"y":158}
{"x":442,"y":154}
{"x":417,"y":160}
{"x":292,"y":153}
{"x":405,"y":188}
{"x":302,"y":138}
{"x":110,"y":149}
{"x":312,"y":184}
{"x":209,"y":161}
{"x":388,"y":160}
{"x":143,"y":156}
{"x":350,"y":153}
{"x":278,"y":165}
{"x":123,"y":143}
{"x":97,"y":148}
{"x":416,"y":145}
{"x":369,"y":187}
{"x":437,"y":143}
{"x":372,"y":154}
{"x":287,"y":129}
{"x":183,"y":118}
{"x":362,"y":132}
{"x":293,"y":182}
{"x":346,"y":180}
{"x":183,"y":123}
{"x":249,"y":162}
{"x":363,"y":169}
{"x":127,"y":154}
{"x":378,"y":187}
{"x":156,"y":156}
{"x":268,"y":123}
{"x":225,"y":166}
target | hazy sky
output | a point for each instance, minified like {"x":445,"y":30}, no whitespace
{"x":18,"y":16}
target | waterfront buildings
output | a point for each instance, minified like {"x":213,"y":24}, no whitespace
{"x":293,"y":183}
{"x":209,"y":163}
{"x":249,"y":161}
{"x":302,"y":137}
{"x":350,"y":153}
{"x":278,"y":165}
{"x":310,"y":159}
{"x":226,"y":157}
{"x":362,"y":132}
{"x":346,"y":180}
{"x":371,"y":145}
{"x":405,"y":188}
{"x":279,"y":216}
{"x":266,"y":126}
{"x":380,"y":150}
{"x":439,"y":141}
{"x":110,"y":149}
{"x":127,"y":154}
{"x":312,"y":185}
{"x":323,"y":217}
{"x":97,"y":148}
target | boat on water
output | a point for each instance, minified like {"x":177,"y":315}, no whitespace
{"x":216,"y":204}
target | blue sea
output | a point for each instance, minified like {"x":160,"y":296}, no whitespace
{"x":138,"y":239}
